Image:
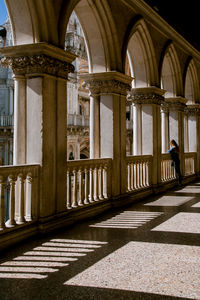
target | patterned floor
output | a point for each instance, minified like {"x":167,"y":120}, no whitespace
{"x":150,"y":250}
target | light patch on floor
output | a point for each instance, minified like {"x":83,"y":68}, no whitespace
{"x":128,"y":220}
{"x":169,"y":201}
{"x":164,"y":269}
{"x":196,"y":205}
{"x":47,"y":258}
{"x":182,"y":222}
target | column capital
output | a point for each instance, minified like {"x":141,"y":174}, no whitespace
{"x":37,"y":59}
{"x":176,"y":103}
{"x":192,"y":109}
{"x":107,"y":83}
{"x":146,"y":95}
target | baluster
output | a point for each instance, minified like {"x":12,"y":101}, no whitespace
{"x":96,"y":185}
{"x":81,"y":195}
{"x":132,"y":176}
{"x":137,"y":174}
{"x":21,"y":219}
{"x":86,"y":186}
{"x":74,"y":197}
{"x":29,"y":199}
{"x":69,"y":195}
{"x":134,"y":166}
{"x":101,"y":183}
{"x":147,"y":167}
{"x":11,"y":221}
{"x":2,"y":212}
{"x":129,"y":177}
{"x":91,"y":197}
{"x":105,"y":181}
{"x":142,"y":174}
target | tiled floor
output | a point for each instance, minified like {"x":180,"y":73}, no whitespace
{"x":150,"y":250}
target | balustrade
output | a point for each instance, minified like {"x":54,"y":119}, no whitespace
{"x":88,"y":181}
{"x":138,"y":172}
{"x":6,"y":120}
{"x":167,"y":171}
{"x":19,"y":191}
{"x":190,"y":162}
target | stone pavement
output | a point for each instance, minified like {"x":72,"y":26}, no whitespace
{"x":149,"y":250}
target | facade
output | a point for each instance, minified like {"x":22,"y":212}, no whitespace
{"x":140,"y":72}
{"x":6,"y":106}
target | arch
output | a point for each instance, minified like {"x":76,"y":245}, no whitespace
{"x":28,"y":29}
{"x":99,"y":33}
{"x":191,"y":83}
{"x":171,"y":79}
{"x":141,"y":56}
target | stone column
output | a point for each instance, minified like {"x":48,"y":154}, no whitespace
{"x":176,"y":124}
{"x":193,"y":124}
{"x":40,"y":117}
{"x":150,"y":100}
{"x":94,"y":126}
{"x":19,"y":135}
{"x":164,"y":128}
{"x":111,"y":90}
{"x":137,"y":129}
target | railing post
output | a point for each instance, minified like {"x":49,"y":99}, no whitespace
{"x":81,"y":196}
{"x":91,"y":185}
{"x":74,"y":200}
{"x":86,"y":186}
{"x":101,"y":183}
{"x":21,"y":218}
{"x":96,"y":186}
{"x":11,"y":221}
{"x":69,"y":202}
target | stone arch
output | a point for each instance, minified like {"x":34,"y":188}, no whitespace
{"x":29,"y":30}
{"x":191,"y":83}
{"x":171,"y":79}
{"x":141,"y":56}
{"x":102,"y":45}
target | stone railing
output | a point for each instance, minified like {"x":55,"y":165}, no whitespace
{"x":190,"y":162}
{"x":88,"y":180}
{"x":77,"y":120}
{"x":18,"y":195}
{"x":138,"y":172}
{"x":167,"y":170}
{"x":6,"y":120}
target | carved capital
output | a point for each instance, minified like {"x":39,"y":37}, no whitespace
{"x":107,"y":83}
{"x":176,"y":104}
{"x":192,"y":110}
{"x":37,"y":64}
{"x":149,"y":95}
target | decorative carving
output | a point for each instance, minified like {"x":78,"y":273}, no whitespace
{"x":145,"y":98}
{"x":192,"y":110}
{"x":37,"y":64}
{"x":111,"y":86}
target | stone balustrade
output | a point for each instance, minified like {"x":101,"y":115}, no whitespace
{"x":88,"y":181}
{"x":167,"y":171}
{"x":138,"y":172}
{"x":190,"y":163}
{"x":77,"y":120}
{"x":6,"y":120}
{"x":18,"y":195}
